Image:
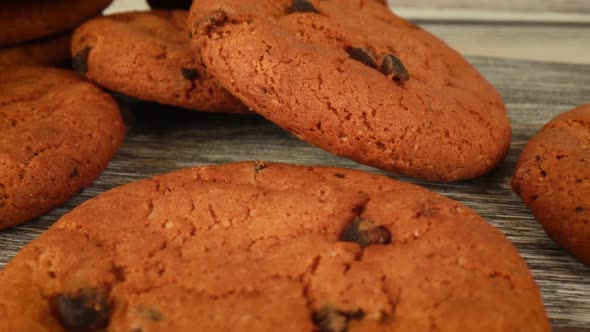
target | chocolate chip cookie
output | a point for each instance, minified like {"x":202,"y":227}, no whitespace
{"x":57,"y":133}
{"x":355,"y":79}
{"x":51,"y":51}
{"x":26,"y":20}
{"x":553,"y":179}
{"x":269,"y":247}
{"x":146,"y":55}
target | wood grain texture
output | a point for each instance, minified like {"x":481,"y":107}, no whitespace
{"x":539,"y":42}
{"x":531,"y":6}
{"x":164,"y":139}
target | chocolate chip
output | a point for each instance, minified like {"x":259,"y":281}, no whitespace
{"x":259,"y":166}
{"x":74,"y":172}
{"x":365,"y":234}
{"x":394,"y":68}
{"x":83,"y":310}
{"x":543,"y":173}
{"x":215,"y":19}
{"x":340,"y":175}
{"x":189,"y":73}
{"x":190,"y":34}
{"x":579,"y":209}
{"x":363,"y":55}
{"x":301,"y":6}
{"x":329,"y":319}
{"x":80,"y":61}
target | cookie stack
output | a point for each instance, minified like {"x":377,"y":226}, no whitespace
{"x":36,"y":32}
{"x":257,"y":246}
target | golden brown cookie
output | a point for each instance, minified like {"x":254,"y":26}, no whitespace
{"x":146,"y":55}
{"x":270,"y":247}
{"x":553,"y":179}
{"x":51,"y":51}
{"x":353,"y":78}
{"x":26,"y":20}
{"x":57,"y":133}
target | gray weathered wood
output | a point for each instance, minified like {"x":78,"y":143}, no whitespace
{"x":164,"y":139}
{"x":540,"y":42}
{"x":549,"y":6}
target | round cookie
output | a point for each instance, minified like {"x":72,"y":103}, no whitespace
{"x":170,"y":4}
{"x":146,"y":55}
{"x":58,"y":133}
{"x":269,"y":247}
{"x":553,"y":179}
{"x":27,"y":20}
{"x":352,"y":78}
{"x":51,"y":51}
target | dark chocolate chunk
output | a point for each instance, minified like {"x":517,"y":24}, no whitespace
{"x":80,"y":61}
{"x":217,"y":18}
{"x":301,"y":6}
{"x":365,"y":234}
{"x":394,"y":68}
{"x":83,"y":310}
{"x":329,"y":319}
{"x":579,"y":209}
{"x":74,"y":172}
{"x":340,"y":175}
{"x":189,"y":73}
{"x":362,"y":55}
{"x":259,"y":166}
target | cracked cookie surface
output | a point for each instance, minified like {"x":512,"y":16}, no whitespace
{"x":57,"y":134}
{"x":553,"y":179}
{"x":146,"y":55}
{"x":268,"y":247}
{"x":353,"y":78}
{"x":26,"y":20}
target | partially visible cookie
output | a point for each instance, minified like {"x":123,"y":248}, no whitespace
{"x":355,"y":79}
{"x":146,"y":55}
{"x":50,"y":51}
{"x":553,"y":179}
{"x":170,"y":4}
{"x":57,"y":133}
{"x":270,"y":247}
{"x":27,"y":20}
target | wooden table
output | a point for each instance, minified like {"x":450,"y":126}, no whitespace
{"x":164,"y":139}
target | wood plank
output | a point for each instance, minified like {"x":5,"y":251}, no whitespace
{"x":539,"y":42}
{"x":165,"y":139}
{"x":535,"y":6}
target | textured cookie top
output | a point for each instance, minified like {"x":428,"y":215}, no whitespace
{"x":57,"y":133}
{"x":146,"y":55}
{"x":553,"y":179}
{"x":356,"y":80}
{"x":269,"y":247}
{"x":25,"y":20}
